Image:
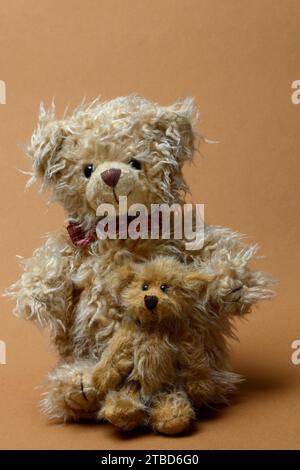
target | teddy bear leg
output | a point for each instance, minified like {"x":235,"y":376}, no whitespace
{"x":71,"y":395}
{"x":171,"y":413}
{"x":124,"y":409}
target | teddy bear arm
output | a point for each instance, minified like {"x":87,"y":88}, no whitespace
{"x":194,"y":371}
{"x":116,"y":362}
{"x":210,"y":386}
{"x":44,"y":292}
{"x":235,"y":287}
{"x":198,"y":384}
{"x":203,"y":383}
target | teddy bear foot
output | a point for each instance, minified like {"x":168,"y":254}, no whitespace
{"x":171,"y":413}
{"x":123,"y":410}
{"x":71,"y":395}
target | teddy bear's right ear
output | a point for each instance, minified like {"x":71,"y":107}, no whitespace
{"x":45,"y":144}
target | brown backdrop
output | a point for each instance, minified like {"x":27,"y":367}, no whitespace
{"x":238,"y":58}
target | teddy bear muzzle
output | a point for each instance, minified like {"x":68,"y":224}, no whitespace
{"x":151,"y":301}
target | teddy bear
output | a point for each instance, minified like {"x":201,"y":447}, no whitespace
{"x":147,"y":353}
{"x":102,"y":151}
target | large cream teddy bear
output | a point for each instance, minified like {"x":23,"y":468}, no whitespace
{"x":72,"y":284}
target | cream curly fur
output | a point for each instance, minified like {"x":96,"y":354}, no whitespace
{"x":76,"y":291}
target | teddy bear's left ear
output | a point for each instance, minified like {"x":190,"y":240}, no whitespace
{"x":45,"y":145}
{"x":177,"y":125}
{"x":125,"y":274}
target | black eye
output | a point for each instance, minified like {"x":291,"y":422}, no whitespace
{"x":135,"y":164}
{"x":145,"y":286}
{"x":164,"y":287}
{"x":88,"y":170}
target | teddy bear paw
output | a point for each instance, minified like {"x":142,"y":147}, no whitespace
{"x":171,"y":414}
{"x":71,"y":395}
{"x":235,"y":294}
{"x":123,"y":411}
{"x":81,"y":395}
{"x":172,"y":426}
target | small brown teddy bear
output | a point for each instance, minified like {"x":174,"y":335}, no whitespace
{"x":148,"y":353}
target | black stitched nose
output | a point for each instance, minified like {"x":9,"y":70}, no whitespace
{"x":150,"y":301}
{"x":111,"y":176}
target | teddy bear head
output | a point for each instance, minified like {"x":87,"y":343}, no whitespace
{"x":124,"y":147}
{"x":163,"y":289}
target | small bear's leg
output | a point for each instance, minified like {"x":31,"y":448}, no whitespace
{"x":71,"y":395}
{"x":171,"y":413}
{"x":124,"y":409}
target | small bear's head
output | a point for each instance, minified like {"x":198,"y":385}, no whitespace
{"x":124,"y":147}
{"x":163,"y":289}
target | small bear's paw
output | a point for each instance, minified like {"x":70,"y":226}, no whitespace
{"x":171,"y":414}
{"x":173,"y":425}
{"x":123,"y":411}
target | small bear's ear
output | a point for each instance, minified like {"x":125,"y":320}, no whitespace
{"x":177,"y":124}
{"x":196,"y":279}
{"x":45,"y":145}
{"x":126,"y":275}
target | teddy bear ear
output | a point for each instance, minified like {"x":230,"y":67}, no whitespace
{"x":177,"y":124}
{"x":45,"y":145}
{"x":196,"y":279}
{"x":126,"y":274}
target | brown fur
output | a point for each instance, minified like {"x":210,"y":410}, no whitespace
{"x":148,"y":350}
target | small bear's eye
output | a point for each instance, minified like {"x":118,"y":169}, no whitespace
{"x":164,"y":287}
{"x":135,"y":164}
{"x":88,"y":170}
{"x":145,"y":286}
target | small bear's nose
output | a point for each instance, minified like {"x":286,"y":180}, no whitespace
{"x":111,"y":176}
{"x":150,"y":301}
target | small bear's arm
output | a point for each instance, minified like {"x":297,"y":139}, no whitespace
{"x":44,"y":293}
{"x":117,"y":359}
{"x":203,"y":382}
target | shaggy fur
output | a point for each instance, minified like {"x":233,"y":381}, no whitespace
{"x":76,"y":291}
{"x":150,"y":352}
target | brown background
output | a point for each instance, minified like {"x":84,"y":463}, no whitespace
{"x":238,"y":58}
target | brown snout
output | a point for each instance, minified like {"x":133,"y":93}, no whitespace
{"x":111,"y":176}
{"x":150,"y":301}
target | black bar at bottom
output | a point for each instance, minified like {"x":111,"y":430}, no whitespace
{"x":136,"y":458}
